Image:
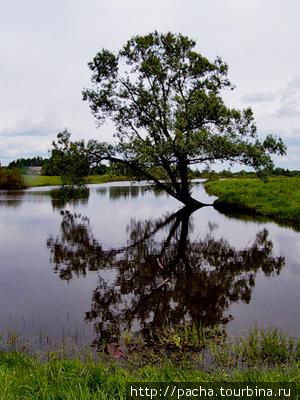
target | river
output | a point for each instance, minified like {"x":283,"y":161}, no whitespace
{"x":128,"y":258}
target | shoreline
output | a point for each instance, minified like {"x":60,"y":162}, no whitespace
{"x":277,"y":199}
{"x":262,"y":356}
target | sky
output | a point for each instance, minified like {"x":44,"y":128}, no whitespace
{"x":45,"y":47}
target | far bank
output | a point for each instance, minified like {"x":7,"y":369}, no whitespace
{"x":43,"y":180}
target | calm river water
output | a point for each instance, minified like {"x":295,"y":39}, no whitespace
{"x":128,"y":258}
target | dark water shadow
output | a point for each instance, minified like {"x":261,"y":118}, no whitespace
{"x":128,"y":192}
{"x":59,"y":198}
{"x":160,"y":277}
{"x":11,"y":198}
{"x":246,"y":215}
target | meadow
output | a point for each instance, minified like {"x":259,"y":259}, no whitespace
{"x":42,"y":180}
{"x":278,"y":198}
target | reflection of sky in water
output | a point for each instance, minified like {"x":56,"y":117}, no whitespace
{"x":33,"y":298}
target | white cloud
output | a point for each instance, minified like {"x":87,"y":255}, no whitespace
{"x":33,"y":126}
{"x":45,"y":47}
{"x":292,"y":156}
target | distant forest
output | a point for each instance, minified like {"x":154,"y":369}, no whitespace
{"x":49,"y":168}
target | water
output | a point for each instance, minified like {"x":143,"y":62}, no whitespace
{"x":127,"y":258}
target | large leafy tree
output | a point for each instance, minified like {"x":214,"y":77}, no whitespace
{"x":164,"y":99}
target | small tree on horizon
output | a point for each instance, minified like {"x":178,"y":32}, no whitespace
{"x":164,"y":100}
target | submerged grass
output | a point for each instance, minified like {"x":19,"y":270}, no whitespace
{"x":261,"y":356}
{"x":278,"y":197}
{"x":187,"y":337}
{"x":42,"y":180}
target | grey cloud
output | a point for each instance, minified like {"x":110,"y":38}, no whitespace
{"x":12,"y":148}
{"x":290,"y":100}
{"x":289,"y":109}
{"x":263,"y":97}
{"x":45,"y":47}
{"x":29,"y":126}
{"x":26,"y":132}
{"x":290,"y":135}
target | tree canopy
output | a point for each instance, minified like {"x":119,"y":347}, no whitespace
{"x":164,"y":99}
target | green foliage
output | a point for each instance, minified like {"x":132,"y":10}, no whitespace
{"x":284,"y":172}
{"x":41,"y":180}
{"x":100,"y":169}
{"x":164,"y":99}
{"x":261,"y":356}
{"x":187,"y":336}
{"x":71,"y":160}
{"x":119,"y":169}
{"x":54,"y":167}
{"x":11,"y":179}
{"x":24,"y":163}
{"x":278,"y":197}
{"x":51,"y":167}
{"x":269,"y":346}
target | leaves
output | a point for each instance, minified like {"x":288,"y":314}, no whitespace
{"x":164,"y":99}
{"x":70,"y":159}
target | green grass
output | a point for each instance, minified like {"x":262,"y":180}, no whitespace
{"x":41,"y":180}
{"x":278,"y":198}
{"x":262,"y":356}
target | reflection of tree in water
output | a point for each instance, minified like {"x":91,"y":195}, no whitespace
{"x":131,"y":191}
{"x":168,"y":281}
{"x":59,"y":198}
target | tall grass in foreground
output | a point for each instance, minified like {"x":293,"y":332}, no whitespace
{"x":261,"y":356}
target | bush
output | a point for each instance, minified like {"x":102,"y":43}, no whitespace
{"x":11,"y":179}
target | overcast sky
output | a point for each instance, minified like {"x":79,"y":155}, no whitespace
{"x":45,"y":46}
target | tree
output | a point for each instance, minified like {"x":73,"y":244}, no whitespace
{"x":11,"y":179}
{"x":164,"y":99}
{"x":68,"y":159}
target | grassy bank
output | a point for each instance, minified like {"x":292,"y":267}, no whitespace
{"x":278,"y":198}
{"x":41,"y":180}
{"x":262,"y":356}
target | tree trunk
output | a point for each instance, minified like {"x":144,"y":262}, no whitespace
{"x":190,"y":202}
{"x":184,"y":194}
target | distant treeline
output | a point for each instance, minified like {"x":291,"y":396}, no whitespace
{"x":211,"y":174}
{"x":23,"y":163}
{"x":50,"y":167}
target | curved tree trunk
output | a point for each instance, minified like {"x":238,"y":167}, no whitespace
{"x":180,"y":191}
{"x":191,"y":203}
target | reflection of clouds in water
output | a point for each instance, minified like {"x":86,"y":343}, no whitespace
{"x":286,"y":242}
